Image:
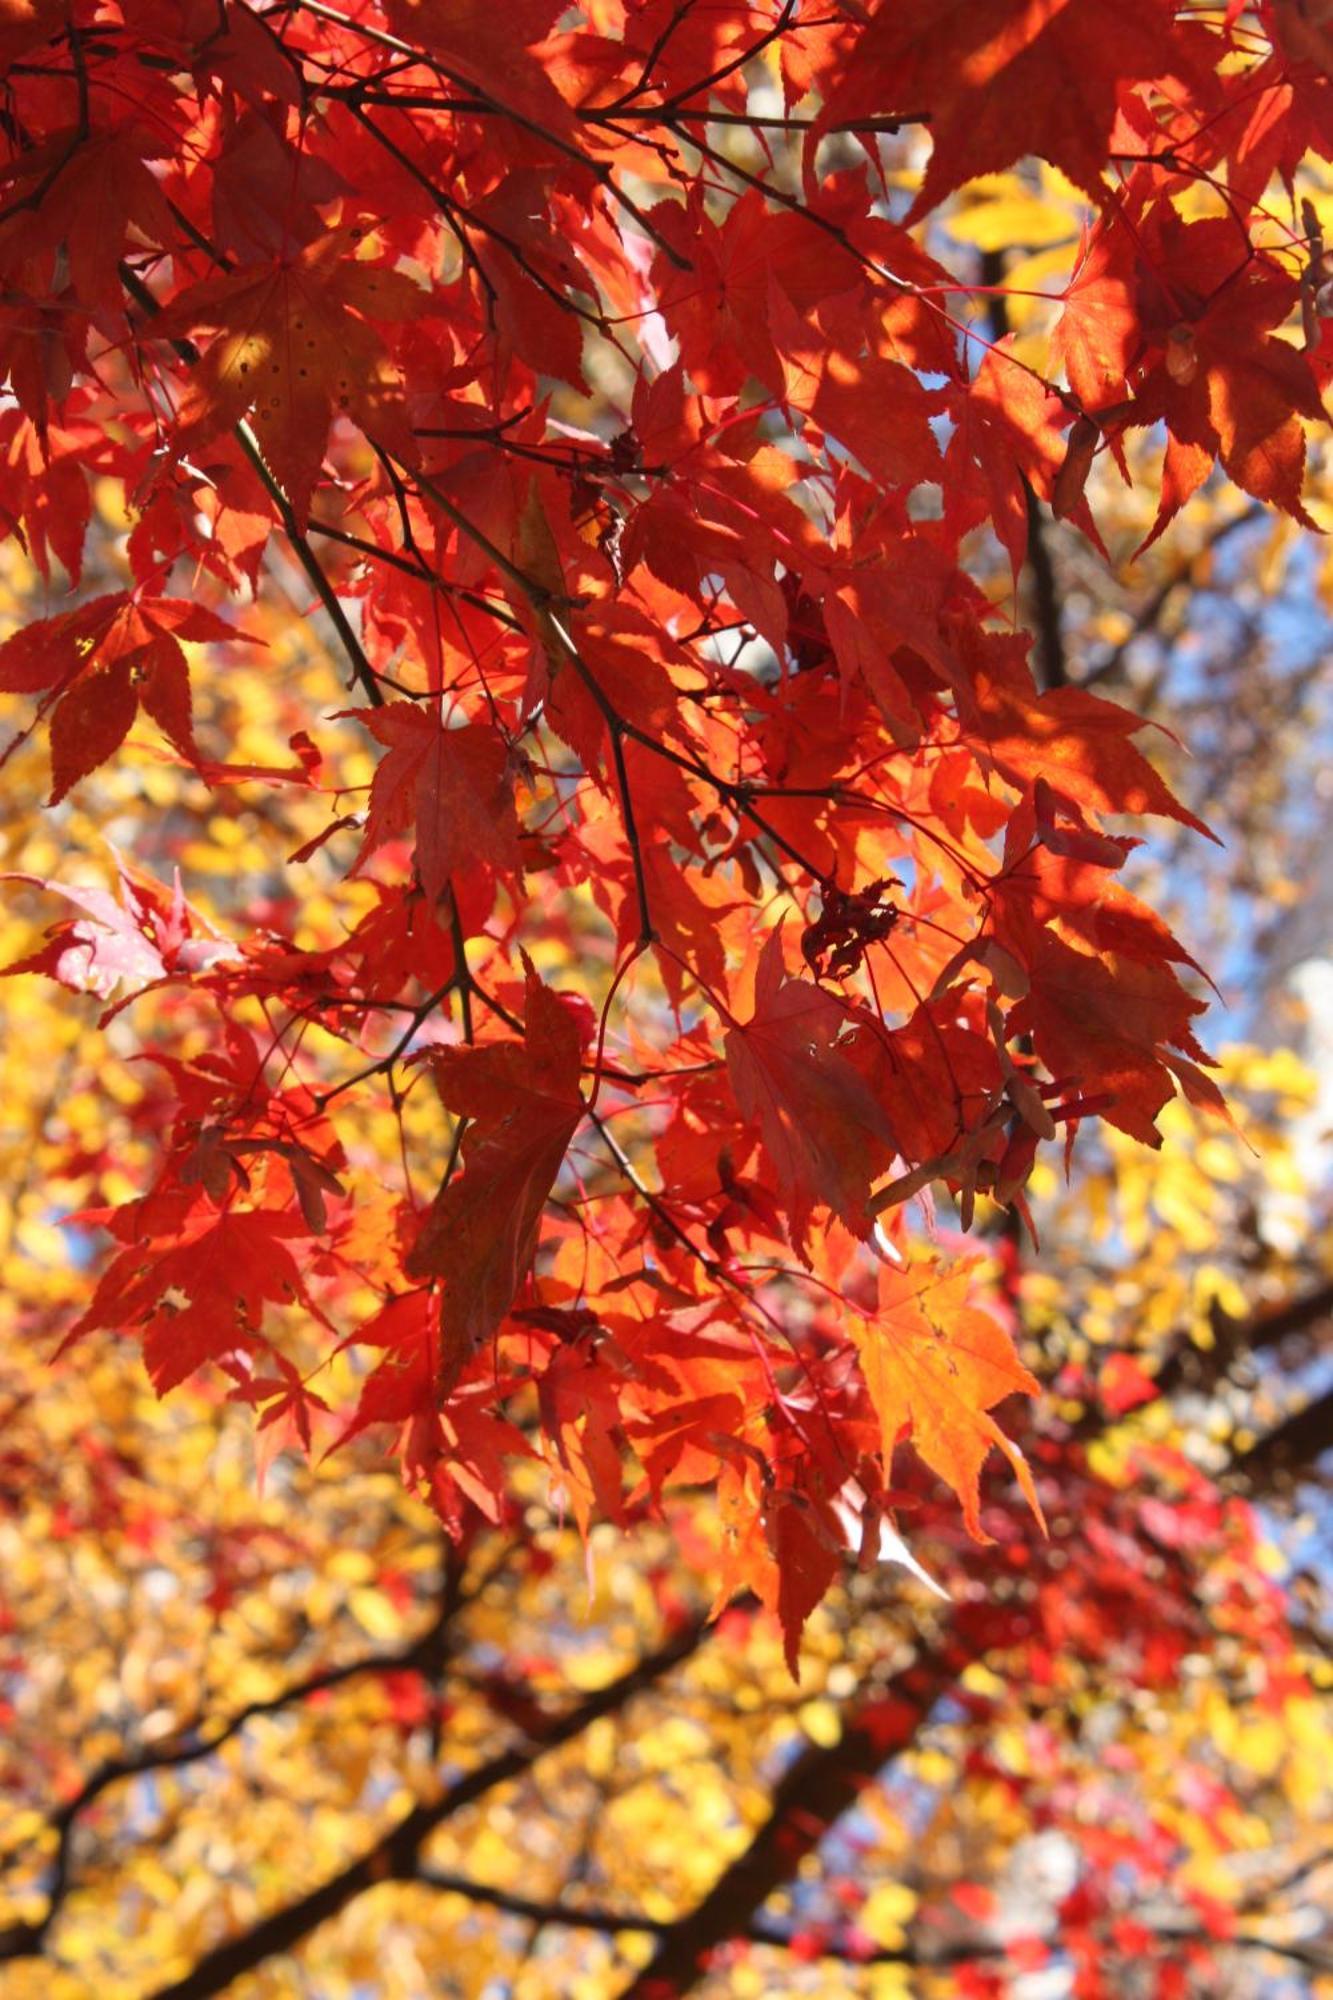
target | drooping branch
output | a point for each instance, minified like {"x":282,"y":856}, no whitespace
{"x":615,"y":1923}
{"x":1157,"y":1939}
{"x":512,"y":1903}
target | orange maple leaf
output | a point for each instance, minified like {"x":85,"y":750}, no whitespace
{"x":1075,"y":741}
{"x":935,"y":1366}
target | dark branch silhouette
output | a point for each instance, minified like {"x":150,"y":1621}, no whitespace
{"x":395,"y":1856}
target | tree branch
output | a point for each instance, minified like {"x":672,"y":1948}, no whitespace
{"x":812,"y":1794}
{"x":593,"y":1917}
{"x":1291,"y":1448}
{"x":190,"y":1745}
{"x":1052,"y":656}
{"x":396,"y":1855}
{"x":570,"y":1917}
{"x":1190,"y":1367}
{"x":362,"y":671}
{"x":1151,"y":610}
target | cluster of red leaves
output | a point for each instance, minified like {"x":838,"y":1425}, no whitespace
{"x":695,"y":686}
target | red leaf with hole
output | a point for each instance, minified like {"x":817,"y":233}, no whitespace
{"x":100,"y":665}
{"x":294,"y":347}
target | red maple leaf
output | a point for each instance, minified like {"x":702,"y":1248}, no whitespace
{"x":999,"y":81}
{"x":99,"y":665}
{"x":200,"y":1297}
{"x":825,"y":1135}
{"x":87,"y":192}
{"x":1113,"y":1024}
{"x":523,"y":1104}
{"x":453,"y":785}
{"x":1167,"y":320}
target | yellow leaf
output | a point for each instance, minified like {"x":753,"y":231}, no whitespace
{"x":885,"y":1913}
{"x":375,"y":1614}
{"x":821,"y":1722}
{"x":999,"y":212}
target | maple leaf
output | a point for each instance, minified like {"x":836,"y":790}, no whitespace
{"x":1258,"y":390}
{"x":1073,"y":740}
{"x":532,"y":287}
{"x":827,"y":1137}
{"x":491,"y":48}
{"x":1112,"y":1023}
{"x":1008,"y":427}
{"x":294,"y":348}
{"x":969,"y":64}
{"x":25,"y":24}
{"x":452,"y":784}
{"x":90,"y":191}
{"x":135,"y":941}
{"x":580,"y":1404}
{"x":936,"y":1366}
{"x":523,"y":1104}
{"x":1097,"y":336}
{"x":808,"y":1553}
{"x":1164,"y":321}
{"x":1086,"y":899}
{"x":982,"y":473}
{"x":679,"y":1442}
{"x":721,"y":307}
{"x":93,"y":954}
{"x":47,"y":487}
{"x":265,"y":203}
{"x":202,"y":1297}
{"x":930,"y":1075}
{"x":402,"y":1388}
{"x":100,"y":665}
{"x":873,"y":404}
